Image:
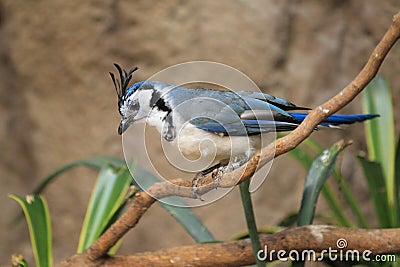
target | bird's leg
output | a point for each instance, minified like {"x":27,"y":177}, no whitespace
{"x":203,"y":173}
{"x":235,"y":165}
{"x":219,"y":170}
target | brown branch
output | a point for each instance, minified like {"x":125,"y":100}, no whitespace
{"x":239,"y":253}
{"x":340,"y":100}
{"x":143,"y":201}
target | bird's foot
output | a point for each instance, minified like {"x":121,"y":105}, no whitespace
{"x":195,"y":185}
{"x":217,"y":172}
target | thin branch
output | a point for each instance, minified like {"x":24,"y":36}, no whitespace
{"x":239,"y":253}
{"x":340,"y":100}
{"x":143,"y":200}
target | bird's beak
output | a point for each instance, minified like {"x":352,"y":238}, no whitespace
{"x":126,"y":122}
{"x":123,"y":126}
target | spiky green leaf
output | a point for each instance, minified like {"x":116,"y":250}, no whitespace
{"x":107,"y":196}
{"x":319,"y":172}
{"x":38,"y":219}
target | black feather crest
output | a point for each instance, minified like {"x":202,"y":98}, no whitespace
{"x":122,"y":84}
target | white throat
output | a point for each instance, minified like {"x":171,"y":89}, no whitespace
{"x":156,"y":119}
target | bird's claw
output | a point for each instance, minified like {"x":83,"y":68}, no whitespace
{"x":217,"y":176}
{"x":195,"y":187}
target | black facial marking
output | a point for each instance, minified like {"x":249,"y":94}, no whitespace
{"x":157,"y":101}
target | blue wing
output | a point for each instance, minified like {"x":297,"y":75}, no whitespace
{"x":243,"y":113}
{"x":242,"y":127}
{"x":269,"y":114}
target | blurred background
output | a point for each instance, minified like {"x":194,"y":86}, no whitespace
{"x":58,"y":104}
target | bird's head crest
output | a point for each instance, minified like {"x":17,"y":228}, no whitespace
{"x":121,"y":84}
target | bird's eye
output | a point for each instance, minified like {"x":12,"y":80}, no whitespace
{"x":133,"y":105}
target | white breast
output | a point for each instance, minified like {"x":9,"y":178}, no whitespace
{"x":195,"y":143}
{"x":198,"y":145}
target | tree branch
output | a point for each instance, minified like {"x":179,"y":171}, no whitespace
{"x":142,"y":201}
{"x":238,"y":253}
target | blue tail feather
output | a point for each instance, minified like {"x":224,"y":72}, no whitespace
{"x":337,"y":119}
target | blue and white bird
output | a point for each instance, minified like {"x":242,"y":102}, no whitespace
{"x":232,"y":120}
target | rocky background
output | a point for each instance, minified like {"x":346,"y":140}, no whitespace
{"x":57,"y":102}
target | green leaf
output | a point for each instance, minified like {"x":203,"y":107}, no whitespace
{"x":305,"y":159}
{"x":397,"y":185}
{"x":377,"y":99}
{"x":92,"y":162}
{"x":106,"y":199}
{"x":319,"y":172}
{"x":190,"y":222}
{"x":183,"y":215}
{"x":250,"y":220}
{"x":38,"y":219}
{"x":376,"y":183}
